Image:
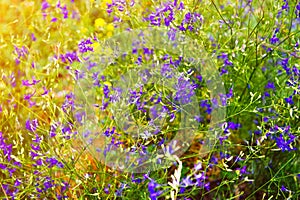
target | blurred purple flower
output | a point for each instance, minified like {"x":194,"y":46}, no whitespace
{"x":31,"y":125}
{"x":83,"y":46}
{"x":45,"y":5}
{"x":289,"y":100}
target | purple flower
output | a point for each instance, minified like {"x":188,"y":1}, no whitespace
{"x":200,"y":78}
{"x":11,"y":171}
{"x":69,"y":102}
{"x":176,"y":62}
{"x":187,"y":181}
{"x":185,"y":90}
{"x":147,"y":51}
{"x":199,"y":118}
{"x":233,"y":126}
{"x":284,"y":63}
{"x":65,"y":186}
{"x":84,"y":46}
{"x":166,"y":70}
{"x":198,"y":166}
{"x":33,"y":155}
{"x":45,"y":91}
{"x":35,"y":148}
{"x":270,"y":85}
{"x":181,"y":6}
{"x":21,"y":52}
{"x":139,"y":60}
{"x":27,"y":83}
{"x":39,"y":162}
{"x":266,"y":94}
{"x":106,"y":91}
{"x":60,"y":165}
{"x":223,"y":99}
{"x":64,"y":11}
{"x":109,"y":132}
{"x":172,"y":34}
{"x":31,"y":125}
{"x":205,"y":104}
{"x":284,"y":189}
{"x":54,"y":19}
{"x":48,"y":183}
{"x":2,"y":166}
{"x":121,"y":188}
{"x":266,"y":119}
{"x":154,"y":19}
{"x":285,"y":6}
{"x":106,"y":190}
{"x":45,"y":5}
{"x":284,"y":144}
{"x":51,"y":162}
{"x":223,"y":56}
{"x":200,"y":178}
{"x":17,"y":183}
{"x":289,"y":100}
{"x":243,"y":170}
{"x":52,"y":132}
{"x":33,"y":38}
{"x":274,"y":39}
{"x":69,"y":57}
{"x":79,"y":74}
{"x":230,"y":94}
{"x":152,"y":186}
{"x":223,"y":71}
{"x":187,"y":17}
{"x":27,"y":97}
{"x":181,"y":27}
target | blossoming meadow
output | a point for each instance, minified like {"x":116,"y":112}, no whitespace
{"x":149,"y":99}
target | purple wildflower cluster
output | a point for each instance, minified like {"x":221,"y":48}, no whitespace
{"x":227,"y":126}
{"x":84,"y":46}
{"x":119,"y":4}
{"x":58,"y":10}
{"x":39,"y":160}
{"x":293,"y":82}
{"x":118,"y":8}
{"x":275,"y":116}
{"x":69,"y":57}
{"x":69,"y":102}
{"x":274,"y":39}
{"x":9,"y":165}
{"x":165,"y":15}
{"x":270,"y":87}
{"x":114,"y":143}
{"x":21,"y":53}
{"x":185,"y":90}
{"x":226,"y":63}
{"x":27,"y":83}
{"x":64,"y":10}
{"x":284,"y":140}
{"x":32,"y":125}
{"x":153,"y":186}
{"x":224,"y":98}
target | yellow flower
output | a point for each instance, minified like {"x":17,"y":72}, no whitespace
{"x":100,"y":22}
{"x":100,"y":35}
{"x":107,"y":83}
{"x":109,"y":34}
{"x":95,"y":45}
{"x":104,"y":3}
{"x":110,"y":27}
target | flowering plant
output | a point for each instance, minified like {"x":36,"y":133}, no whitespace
{"x":170,"y":99}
